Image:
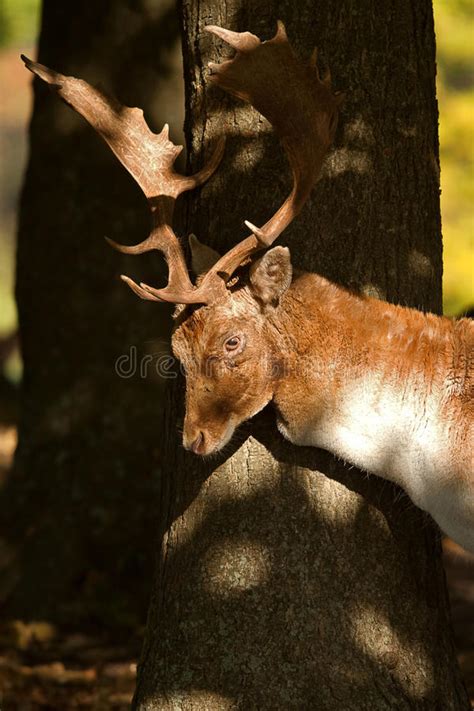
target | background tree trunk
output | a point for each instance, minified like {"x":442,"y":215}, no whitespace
{"x":74,"y":514}
{"x":286,"y":580}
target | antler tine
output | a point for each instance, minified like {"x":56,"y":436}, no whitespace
{"x":138,"y":290}
{"x":302,"y":109}
{"x":149,"y":158}
{"x":241,"y":41}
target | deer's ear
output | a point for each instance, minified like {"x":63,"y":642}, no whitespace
{"x":270,"y":276}
{"x":202,"y":256}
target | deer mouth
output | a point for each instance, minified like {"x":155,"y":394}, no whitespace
{"x":204,"y":444}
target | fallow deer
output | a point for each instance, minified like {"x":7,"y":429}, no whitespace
{"x":386,"y":388}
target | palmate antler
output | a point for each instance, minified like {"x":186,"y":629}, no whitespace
{"x":149,"y":158}
{"x":290,"y":94}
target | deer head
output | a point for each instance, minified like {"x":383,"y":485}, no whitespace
{"x":226,"y":335}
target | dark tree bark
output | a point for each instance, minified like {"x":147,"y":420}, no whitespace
{"x":77,"y":514}
{"x":287,"y":580}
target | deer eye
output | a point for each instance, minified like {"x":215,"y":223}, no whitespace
{"x":232,"y":344}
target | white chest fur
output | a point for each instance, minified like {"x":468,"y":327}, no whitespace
{"x":398,"y":434}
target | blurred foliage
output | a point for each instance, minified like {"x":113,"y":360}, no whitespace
{"x":455,"y":50}
{"x":455,"y":41}
{"x":19,"y":20}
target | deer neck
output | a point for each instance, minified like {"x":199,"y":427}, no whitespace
{"x":354,"y":381}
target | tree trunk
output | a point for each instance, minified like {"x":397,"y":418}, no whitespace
{"x":74,"y":514}
{"x":287,"y":580}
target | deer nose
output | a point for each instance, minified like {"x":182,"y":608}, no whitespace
{"x":197,"y":446}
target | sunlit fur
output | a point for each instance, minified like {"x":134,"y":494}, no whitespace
{"x":222,"y":390}
{"x":386,"y":388}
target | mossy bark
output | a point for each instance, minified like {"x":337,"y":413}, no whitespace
{"x":287,"y":580}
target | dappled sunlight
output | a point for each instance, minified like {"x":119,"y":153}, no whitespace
{"x":226,"y":486}
{"x":254,"y":632}
{"x":231,"y":566}
{"x":408,"y":132}
{"x":194,"y":700}
{"x":344,"y":160}
{"x":331,"y":501}
{"x":377,"y":638}
{"x":238,"y":124}
{"x":248,"y":156}
{"x":359,"y":131}
{"x":420,"y":264}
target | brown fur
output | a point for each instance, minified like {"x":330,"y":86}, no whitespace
{"x":323,"y":334}
{"x":319,"y":353}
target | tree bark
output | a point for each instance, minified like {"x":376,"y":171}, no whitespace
{"x":287,"y":580}
{"x":74,"y":514}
